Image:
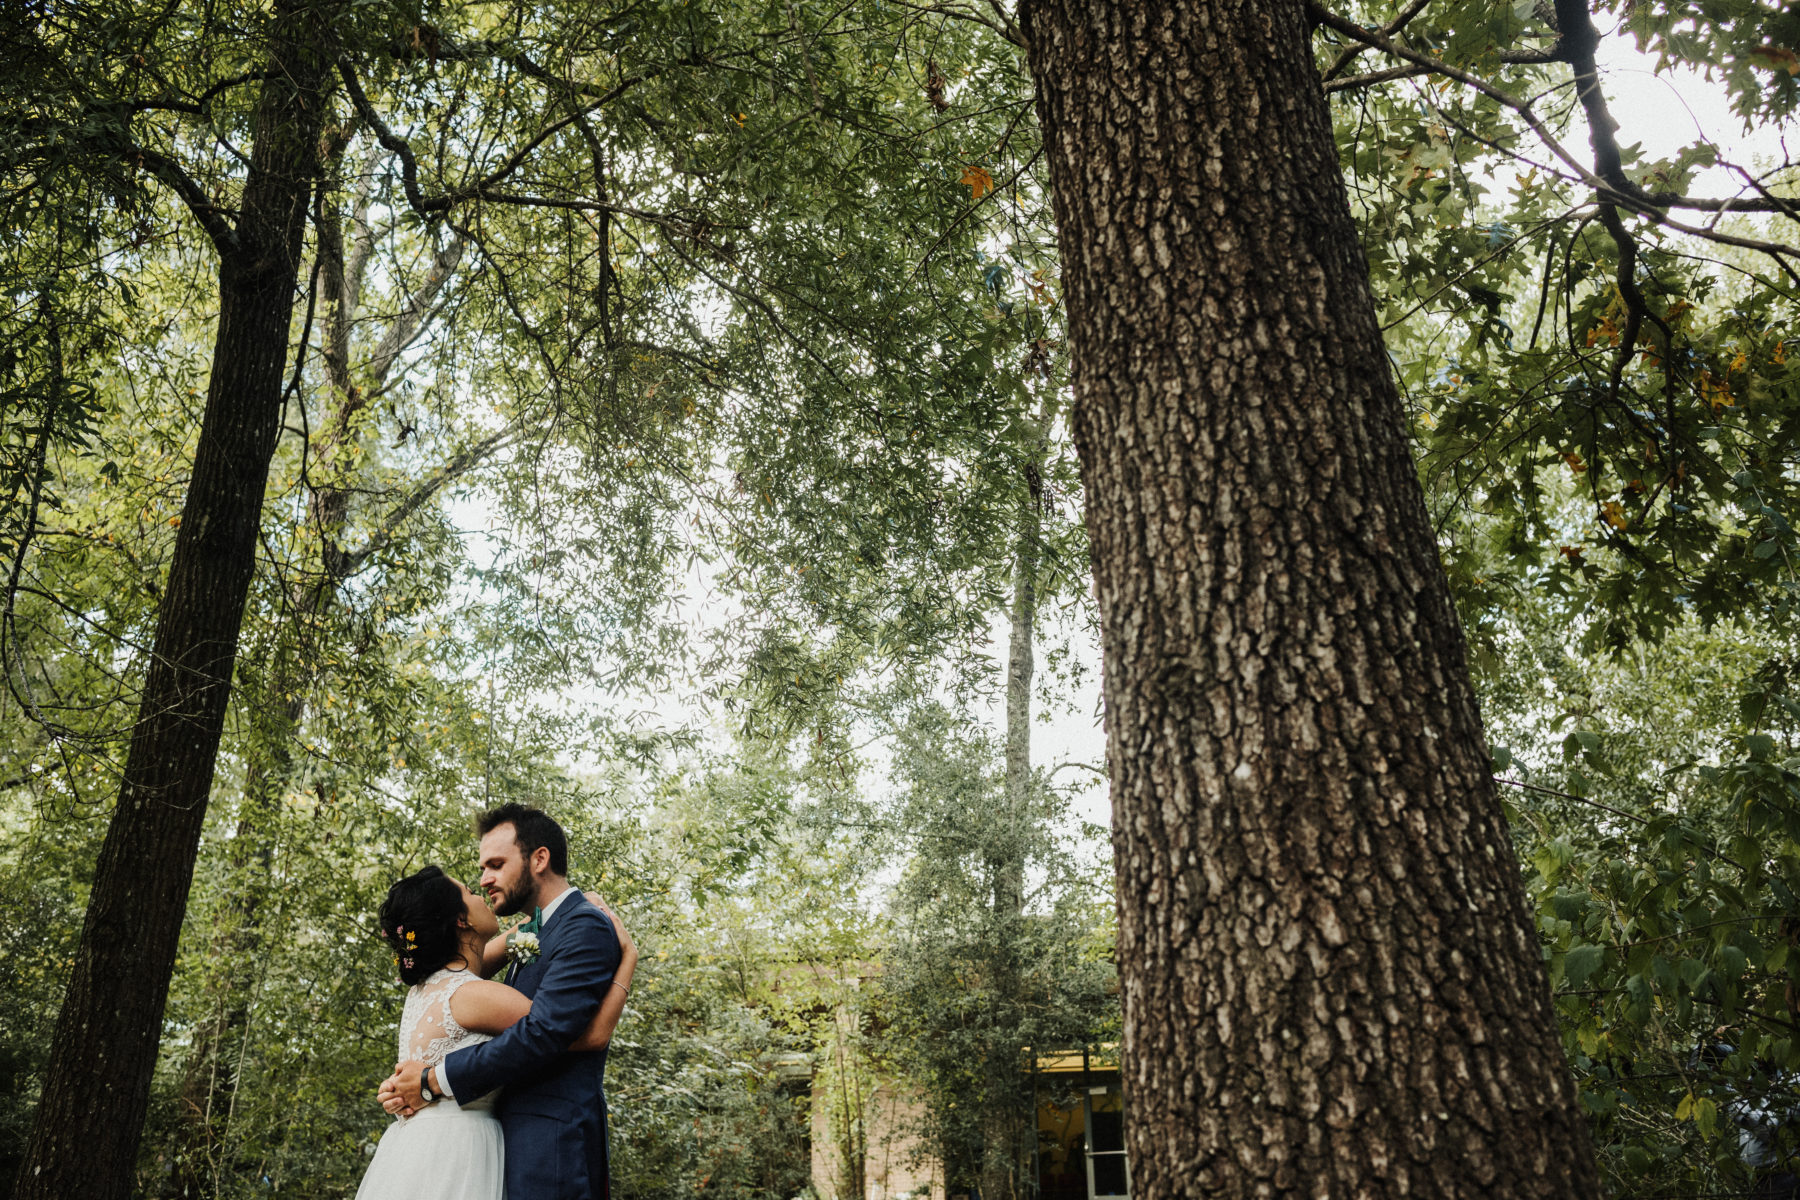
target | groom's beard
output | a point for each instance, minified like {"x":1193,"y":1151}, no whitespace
{"x":518,"y":899}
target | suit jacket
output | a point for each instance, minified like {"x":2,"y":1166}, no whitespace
{"x":554,"y":1106}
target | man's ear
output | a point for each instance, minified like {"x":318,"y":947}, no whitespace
{"x":540,"y":861}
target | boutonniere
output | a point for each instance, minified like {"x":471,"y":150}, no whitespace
{"x":521,"y":947}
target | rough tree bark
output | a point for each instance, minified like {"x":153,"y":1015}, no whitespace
{"x":96,"y":1090}
{"x":1331,"y":984}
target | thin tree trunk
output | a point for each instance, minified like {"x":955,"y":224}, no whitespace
{"x":1005,"y":1107}
{"x":1021,"y":664}
{"x":85,"y":1135}
{"x":215,"y":1065}
{"x":1331,"y":984}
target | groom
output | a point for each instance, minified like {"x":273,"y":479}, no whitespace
{"x":554,"y":1107}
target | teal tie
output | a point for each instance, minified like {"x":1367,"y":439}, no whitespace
{"x":536,"y":924}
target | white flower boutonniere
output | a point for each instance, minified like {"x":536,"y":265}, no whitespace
{"x":522,"y":947}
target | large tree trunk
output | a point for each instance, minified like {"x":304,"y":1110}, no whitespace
{"x":1331,"y":984}
{"x":85,"y":1136}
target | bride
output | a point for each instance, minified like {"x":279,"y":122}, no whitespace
{"x":446,"y":941}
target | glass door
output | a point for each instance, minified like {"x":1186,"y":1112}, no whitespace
{"x":1108,"y":1175}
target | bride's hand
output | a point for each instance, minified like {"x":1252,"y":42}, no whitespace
{"x":625,"y":941}
{"x":389,"y":1095}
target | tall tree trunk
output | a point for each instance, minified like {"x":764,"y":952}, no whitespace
{"x":1331,"y":984}
{"x":1021,"y":665}
{"x":85,"y":1135}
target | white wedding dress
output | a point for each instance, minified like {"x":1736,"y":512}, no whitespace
{"x":447,"y":1151}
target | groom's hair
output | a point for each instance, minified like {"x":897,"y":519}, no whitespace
{"x":532,"y":827}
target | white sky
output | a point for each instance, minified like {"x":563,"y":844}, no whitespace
{"x":1669,"y":111}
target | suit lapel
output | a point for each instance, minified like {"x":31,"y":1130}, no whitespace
{"x":525,"y":977}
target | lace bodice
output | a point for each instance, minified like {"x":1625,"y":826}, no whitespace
{"x":428,"y":1030}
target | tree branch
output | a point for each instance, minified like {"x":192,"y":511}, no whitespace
{"x":1619,"y":189}
{"x":430,"y":43}
{"x":406,"y":325}
{"x":212,"y":217}
{"x":397,"y":516}
{"x":1371,"y":78}
{"x":967,"y":212}
{"x":198,"y":107}
{"x":1349,"y":53}
{"x":1002,"y":24}
{"x":409,"y":166}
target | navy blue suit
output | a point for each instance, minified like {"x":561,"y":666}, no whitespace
{"x":554,"y":1106}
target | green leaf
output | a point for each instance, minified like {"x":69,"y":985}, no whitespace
{"x":1580,"y":963}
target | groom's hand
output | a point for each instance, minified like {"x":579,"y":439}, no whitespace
{"x":406,"y":1081}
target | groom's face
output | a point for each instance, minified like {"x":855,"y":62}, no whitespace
{"x":505,"y":874}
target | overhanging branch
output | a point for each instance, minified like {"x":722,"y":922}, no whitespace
{"x":1348,"y":54}
{"x":482,"y":188}
{"x":1618,"y":189}
{"x":212,"y":217}
{"x":203,"y":102}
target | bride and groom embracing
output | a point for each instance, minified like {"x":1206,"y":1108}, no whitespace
{"x":500,"y":1089}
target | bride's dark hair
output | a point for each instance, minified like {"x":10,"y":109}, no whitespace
{"x":419,"y":919}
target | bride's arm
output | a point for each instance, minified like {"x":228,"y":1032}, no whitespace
{"x":483,"y":1006}
{"x":600,"y":1030}
{"x":493,"y":957}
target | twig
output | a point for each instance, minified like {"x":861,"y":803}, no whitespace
{"x":1532,"y":787}
{"x":965,"y":213}
{"x":1349,"y":53}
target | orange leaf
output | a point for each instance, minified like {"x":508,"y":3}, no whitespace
{"x":978,"y":181}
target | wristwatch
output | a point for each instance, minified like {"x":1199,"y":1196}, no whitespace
{"x":425,"y":1087}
